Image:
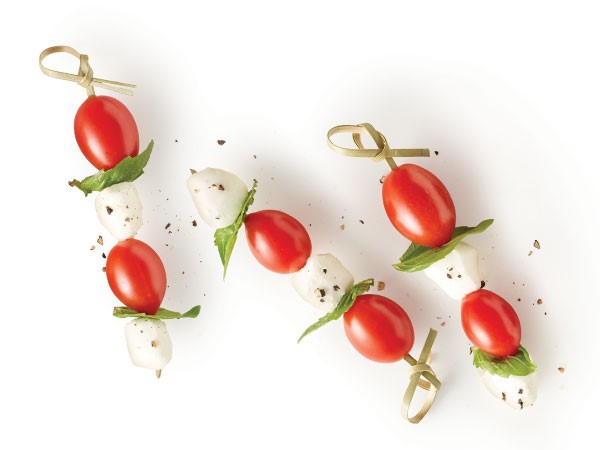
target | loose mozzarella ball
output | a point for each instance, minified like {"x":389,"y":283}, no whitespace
{"x":119,"y":210}
{"x":218,"y":196}
{"x":518,"y":392}
{"x":148,"y":343}
{"x":323,"y":281}
{"x":458,"y":273}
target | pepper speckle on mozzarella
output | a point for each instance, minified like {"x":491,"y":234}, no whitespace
{"x":516,"y":391}
{"x":119,"y":210}
{"x":218,"y":196}
{"x":323,"y":281}
{"x":458,"y":273}
{"x":148,"y":343}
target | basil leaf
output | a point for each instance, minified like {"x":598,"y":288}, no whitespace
{"x":418,"y":257}
{"x":225,"y":237}
{"x":128,"y":169}
{"x":344,"y":305}
{"x":122,"y":312}
{"x":518,"y":365}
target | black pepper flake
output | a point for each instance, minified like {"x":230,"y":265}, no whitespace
{"x":436,"y":152}
{"x":336,"y":287}
{"x":104,"y":269}
{"x":361,"y":221}
{"x":221,"y":188}
{"x":194,"y":223}
{"x":176,"y":140}
{"x":518,"y":299}
{"x":448,"y":276}
{"x":104,"y":255}
{"x":254,"y":156}
{"x":521,"y":403}
{"x":382,"y":179}
{"x":459,"y":276}
{"x":520,"y":391}
{"x":220,"y":142}
{"x":109,"y":210}
{"x":504,"y":396}
{"x":482,"y":284}
{"x":167,"y":225}
{"x":539,"y":301}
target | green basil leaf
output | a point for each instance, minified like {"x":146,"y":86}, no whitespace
{"x":225,"y":237}
{"x":518,"y":365}
{"x":344,"y":305}
{"x":418,"y":257}
{"x":128,"y":169}
{"x":122,"y":312}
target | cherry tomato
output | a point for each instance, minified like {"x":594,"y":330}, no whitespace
{"x":136,"y":275}
{"x":419,"y":205}
{"x":490,"y":323}
{"x":106,"y":131}
{"x":277,"y":240}
{"x":378,"y":328}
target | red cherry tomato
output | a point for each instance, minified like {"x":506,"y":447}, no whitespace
{"x":378,"y":328}
{"x":136,"y":275}
{"x":490,"y":323}
{"x":419,"y":205}
{"x":277,"y":240}
{"x":106,"y":131}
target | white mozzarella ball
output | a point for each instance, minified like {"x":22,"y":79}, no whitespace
{"x":218,"y":196}
{"x":517,"y":392}
{"x":458,"y":273}
{"x":119,"y":210}
{"x":323,"y":281}
{"x":148,"y":343}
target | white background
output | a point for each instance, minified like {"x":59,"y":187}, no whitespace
{"x":507,"y":94}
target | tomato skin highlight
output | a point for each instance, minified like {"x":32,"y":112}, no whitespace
{"x":378,"y":328}
{"x":106,"y":131}
{"x":277,"y":240}
{"x":136,"y":275}
{"x":419,"y":205}
{"x":491,"y":323}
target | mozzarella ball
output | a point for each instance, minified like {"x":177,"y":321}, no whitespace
{"x":517,"y":392}
{"x":323,"y":281}
{"x":218,"y":196}
{"x":119,"y":210}
{"x":458,"y":273}
{"x":148,"y":343}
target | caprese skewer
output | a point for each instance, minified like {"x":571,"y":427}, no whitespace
{"x":375,"y":325}
{"x":420,"y":207}
{"x":108,"y":137}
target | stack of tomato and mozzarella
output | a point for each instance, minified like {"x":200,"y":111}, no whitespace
{"x":107,"y":135}
{"x":421,"y":209}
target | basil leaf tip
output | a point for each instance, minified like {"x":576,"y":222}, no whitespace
{"x":418,"y":257}
{"x":225,"y":237}
{"x":517,"y":365}
{"x":162,"y":314}
{"x":344,"y":305}
{"x":128,"y":169}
